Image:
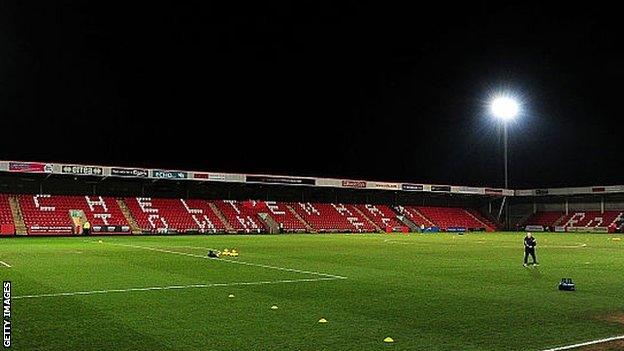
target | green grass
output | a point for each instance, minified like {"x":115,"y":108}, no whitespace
{"x":428,"y":292}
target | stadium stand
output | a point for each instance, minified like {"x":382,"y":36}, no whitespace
{"x":413,"y":215}
{"x":162,"y":215}
{"x":243,"y":217}
{"x":7,"y":227}
{"x":6,"y":217}
{"x":381,"y":215}
{"x":452,"y":217}
{"x":491,"y":224}
{"x":592,"y":219}
{"x":280,"y":212}
{"x":545,"y":219}
{"x":333,"y":217}
{"x":49,"y":215}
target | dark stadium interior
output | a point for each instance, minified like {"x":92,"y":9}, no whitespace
{"x":366,"y":90}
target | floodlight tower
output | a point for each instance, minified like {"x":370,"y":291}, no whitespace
{"x":505,"y":109}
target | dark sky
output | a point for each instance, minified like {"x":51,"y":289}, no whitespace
{"x":348,"y":89}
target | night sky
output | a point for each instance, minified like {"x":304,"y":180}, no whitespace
{"x":364,"y":90}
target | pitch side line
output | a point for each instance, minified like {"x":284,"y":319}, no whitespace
{"x":5,"y":264}
{"x":171,"y":287}
{"x":593,"y":342}
{"x":232,"y":261}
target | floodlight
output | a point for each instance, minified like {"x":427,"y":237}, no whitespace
{"x":504,"y":108}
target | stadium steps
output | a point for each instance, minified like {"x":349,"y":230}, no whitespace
{"x":491,"y":219}
{"x":228,"y":226}
{"x":134,"y":227}
{"x":524,"y":221}
{"x":617,"y":219}
{"x":368,"y":219}
{"x":408,"y":222}
{"x":307,"y":225}
{"x":558,"y":221}
{"x":269,"y":222}
{"x":18,"y":217}
{"x":476,"y":218}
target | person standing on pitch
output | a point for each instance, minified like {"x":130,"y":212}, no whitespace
{"x":529,"y":249}
{"x":86,"y":227}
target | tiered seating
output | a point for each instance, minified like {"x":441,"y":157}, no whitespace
{"x":47,"y":214}
{"x":166,"y":215}
{"x":382,"y":215}
{"x":592,"y":219}
{"x":449,"y":217}
{"x":545,"y":219}
{"x":6,"y":217}
{"x":281,"y":214}
{"x":332,"y":217}
{"x":490,"y":225}
{"x":413,"y":215}
{"x":242,"y":218}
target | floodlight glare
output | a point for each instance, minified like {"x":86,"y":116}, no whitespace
{"x":504,"y":108}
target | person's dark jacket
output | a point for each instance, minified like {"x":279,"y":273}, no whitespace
{"x":529,"y":243}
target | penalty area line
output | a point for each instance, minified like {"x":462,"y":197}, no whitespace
{"x":587,"y":343}
{"x":5,"y":264}
{"x":171,"y":287}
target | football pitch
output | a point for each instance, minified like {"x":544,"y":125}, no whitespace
{"x":425,"y":291}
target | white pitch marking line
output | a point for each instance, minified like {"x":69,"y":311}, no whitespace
{"x":593,"y":342}
{"x":171,"y":287}
{"x":232,"y":261}
{"x":5,"y":264}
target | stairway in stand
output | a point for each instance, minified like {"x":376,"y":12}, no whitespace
{"x":134,"y":227}
{"x":307,"y":225}
{"x":485,"y":225}
{"x":369,"y":220}
{"x":18,"y":217}
{"x":224,"y":220}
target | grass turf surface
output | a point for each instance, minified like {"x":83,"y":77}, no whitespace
{"x":428,"y":292}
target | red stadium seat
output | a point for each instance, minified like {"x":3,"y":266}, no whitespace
{"x":6,"y":217}
{"x":333,"y":217}
{"x":545,"y":219}
{"x":592,"y":219}
{"x":243,"y":218}
{"x":166,"y":215}
{"x":49,"y":214}
{"x":448,"y":217}
{"x":382,"y":215}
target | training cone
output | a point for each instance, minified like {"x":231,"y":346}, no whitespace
{"x":231,"y":295}
{"x":388,"y":340}
{"x":274,"y":307}
{"x":322,"y":320}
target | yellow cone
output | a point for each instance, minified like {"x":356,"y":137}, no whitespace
{"x":388,"y":340}
{"x":322,"y":320}
{"x":274,"y":307}
{"x":231,"y":295}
